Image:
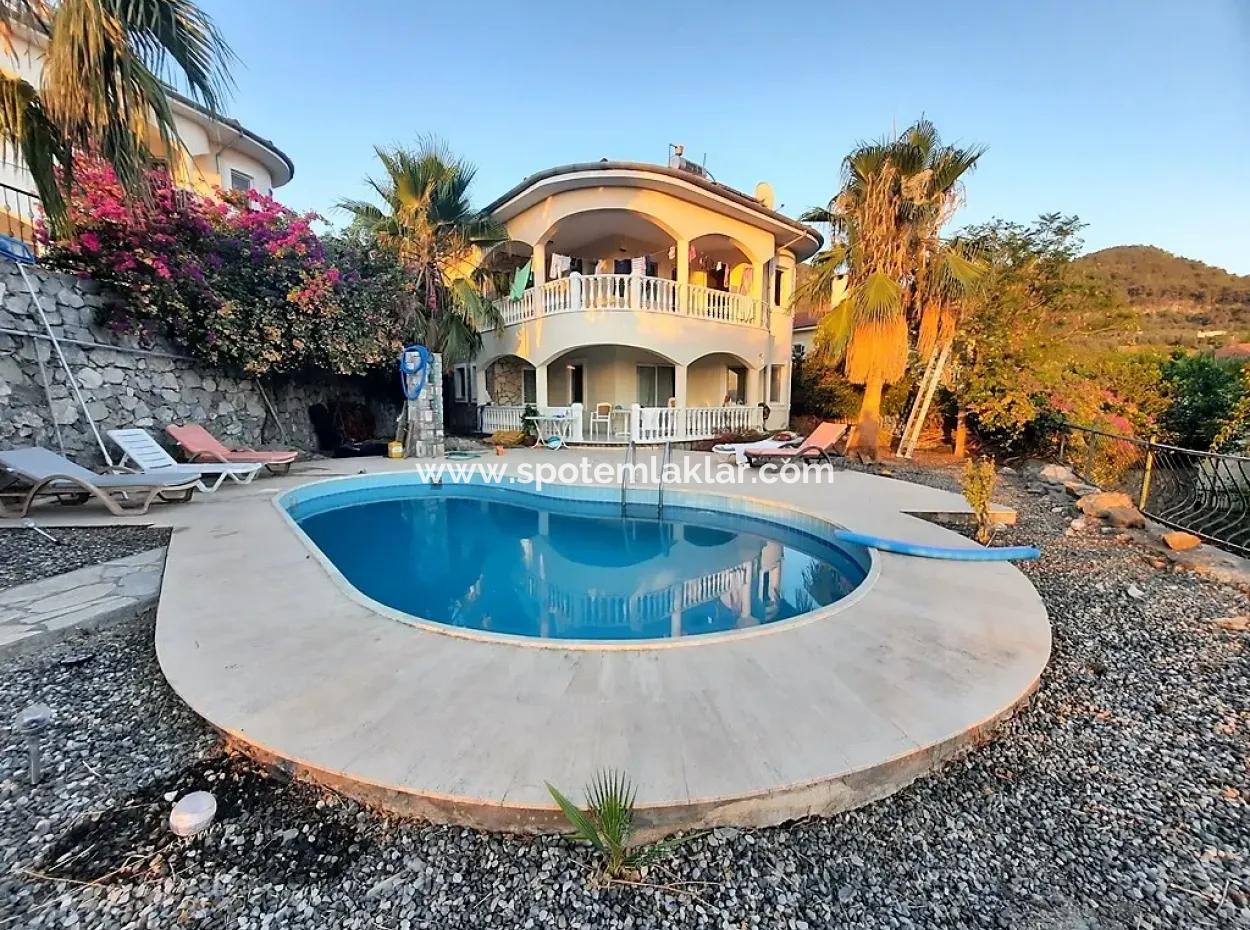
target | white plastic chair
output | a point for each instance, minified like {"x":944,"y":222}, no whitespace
{"x":148,"y":456}
{"x":602,"y":414}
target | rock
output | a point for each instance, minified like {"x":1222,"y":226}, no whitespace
{"x":1097,"y":503}
{"x":1125,"y":517}
{"x":90,"y":378}
{"x":1078,"y":524}
{"x":1057,"y":474}
{"x":1135,"y":592}
{"x":1237,"y":624}
{"x":1180,"y":541}
{"x":1079,"y":488}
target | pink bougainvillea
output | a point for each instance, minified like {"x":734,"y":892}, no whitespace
{"x":239,"y":280}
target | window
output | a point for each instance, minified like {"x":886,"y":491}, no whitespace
{"x":656,"y":384}
{"x":459,"y":391}
{"x":776,"y":378}
{"x":736,"y":386}
{"x":240,"y":181}
{"x":529,"y":386}
{"x":777,"y":287}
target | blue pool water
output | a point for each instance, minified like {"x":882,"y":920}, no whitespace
{"x":547,"y":567}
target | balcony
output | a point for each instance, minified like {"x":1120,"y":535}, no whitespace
{"x":634,"y":423}
{"x":633,"y":293}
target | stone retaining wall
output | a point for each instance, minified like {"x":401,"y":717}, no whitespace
{"x":125,"y":384}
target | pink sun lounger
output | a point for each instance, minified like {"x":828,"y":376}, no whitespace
{"x":202,"y":446}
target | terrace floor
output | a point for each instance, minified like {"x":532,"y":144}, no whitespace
{"x":798,"y":719}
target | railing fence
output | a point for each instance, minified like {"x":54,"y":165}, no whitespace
{"x":1204,"y":493}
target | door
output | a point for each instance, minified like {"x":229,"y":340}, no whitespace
{"x":577,"y":384}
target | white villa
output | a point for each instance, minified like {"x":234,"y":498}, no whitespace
{"x":215,"y":151}
{"x":657,"y":306}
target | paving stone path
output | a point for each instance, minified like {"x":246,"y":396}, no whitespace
{"x":34,"y":614}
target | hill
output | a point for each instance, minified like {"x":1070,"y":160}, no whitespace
{"x":1178,"y":298}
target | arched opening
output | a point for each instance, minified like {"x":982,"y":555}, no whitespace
{"x":606,"y":378}
{"x":511,"y":381}
{"x":605,"y":242}
{"x":500,"y":264}
{"x":719,"y":379}
{"x":721,"y":263}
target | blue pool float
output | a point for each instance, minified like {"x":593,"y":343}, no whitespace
{"x":1000,"y":554}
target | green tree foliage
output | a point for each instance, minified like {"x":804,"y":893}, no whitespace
{"x":1028,"y":348}
{"x":1205,"y":392}
{"x":818,"y":389}
{"x":425,"y":221}
{"x":239,"y":281}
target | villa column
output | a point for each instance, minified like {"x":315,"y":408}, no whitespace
{"x":679,"y":384}
{"x":760,"y":288}
{"x":540,"y":387}
{"x":679,"y":397}
{"x":681,"y":253}
{"x":539,"y":264}
{"x":753,"y":386}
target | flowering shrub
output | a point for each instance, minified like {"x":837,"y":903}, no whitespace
{"x":237,"y":279}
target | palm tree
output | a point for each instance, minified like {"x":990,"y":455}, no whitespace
{"x":903,"y":280}
{"x":427,"y":222}
{"x":104,"y":85}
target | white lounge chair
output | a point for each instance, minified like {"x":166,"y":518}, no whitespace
{"x":148,"y":456}
{"x":42,"y":473}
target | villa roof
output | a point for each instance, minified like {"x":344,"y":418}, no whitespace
{"x":812,"y":238}
{"x":243,"y":131}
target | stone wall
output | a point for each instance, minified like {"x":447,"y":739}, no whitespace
{"x":504,"y":381}
{"x":126,"y":384}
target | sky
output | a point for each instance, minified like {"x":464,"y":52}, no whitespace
{"x":1132,"y":114}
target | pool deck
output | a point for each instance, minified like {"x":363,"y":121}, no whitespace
{"x":792,"y":720}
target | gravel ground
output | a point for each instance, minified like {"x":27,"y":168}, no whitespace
{"x":1117,"y":799}
{"x":27,"y":556}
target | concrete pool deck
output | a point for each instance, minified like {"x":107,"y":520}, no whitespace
{"x":790,"y":721}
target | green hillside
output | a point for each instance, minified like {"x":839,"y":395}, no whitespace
{"x":1177,"y":298}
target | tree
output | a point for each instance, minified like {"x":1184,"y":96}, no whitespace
{"x":1035,"y":341}
{"x":904,"y":283}
{"x":1206,"y":392}
{"x":236,"y":279}
{"x":426,"y":221}
{"x":103,"y":85}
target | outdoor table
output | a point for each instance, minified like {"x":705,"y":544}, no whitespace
{"x":551,"y":425}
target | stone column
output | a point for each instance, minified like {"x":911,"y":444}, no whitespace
{"x":424,"y":438}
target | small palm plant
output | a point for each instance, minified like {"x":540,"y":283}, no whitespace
{"x":608,"y":824}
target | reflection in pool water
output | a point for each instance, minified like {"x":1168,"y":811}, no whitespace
{"x":577,"y":570}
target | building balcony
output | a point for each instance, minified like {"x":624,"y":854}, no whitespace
{"x":610,"y":293}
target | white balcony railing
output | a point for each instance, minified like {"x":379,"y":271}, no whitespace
{"x":684,"y":424}
{"x":496,"y":417}
{"x":623,"y":292}
{"x":644,"y":424}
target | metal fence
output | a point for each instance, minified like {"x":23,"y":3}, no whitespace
{"x":1204,"y":493}
{"x":19,"y":210}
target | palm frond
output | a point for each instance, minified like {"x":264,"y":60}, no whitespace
{"x":583,"y":827}
{"x":25,"y":125}
{"x":876,"y":300}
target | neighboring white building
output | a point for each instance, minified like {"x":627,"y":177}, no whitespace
{"x":216,"y":151}
{"x":658,"y":299}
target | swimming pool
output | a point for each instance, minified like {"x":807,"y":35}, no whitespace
{"x":504,"y":560}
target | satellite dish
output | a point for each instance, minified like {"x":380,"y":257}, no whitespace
{"x":764,"y":194}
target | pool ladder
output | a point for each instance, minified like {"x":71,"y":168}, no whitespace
{"x":631,"y":459}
